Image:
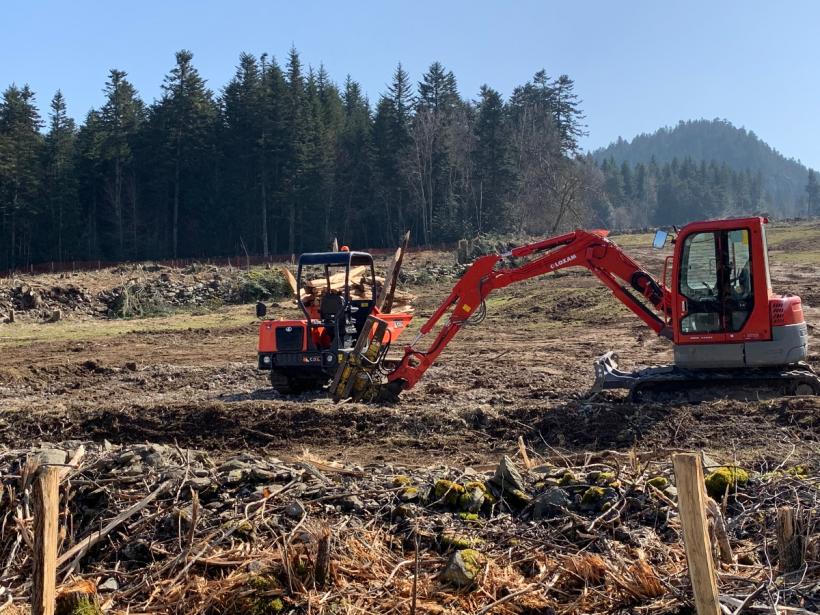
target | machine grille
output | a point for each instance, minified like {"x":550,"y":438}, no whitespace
{"x":289,"y":338}
{"x":778,"y":313}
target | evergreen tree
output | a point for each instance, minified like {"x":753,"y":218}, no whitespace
{"x":187,"y":114}
{"x":813,"y":194}
{"x":120,"y":117}
{"x":89,"y":180}
{"x":20,"y":172}
{"x":392,"y":152}
{"x":493,"y":174}
{"x":295,"y":145}
{"x":429,"y":171}
{"x":60,"y":181}
{"x":354,"y":171}
{"x":242,"y":143}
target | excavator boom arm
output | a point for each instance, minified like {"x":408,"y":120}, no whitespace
{"x":590,"y":249}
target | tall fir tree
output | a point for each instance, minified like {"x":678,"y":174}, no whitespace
{"x":812,"y":194}
{"x":493,"y":174}
{"x":20,"y":172}
{"x":60,"y":182}
{"x":392,"y":151}
{"x":121,"y":117}
{"x":187,"y":113}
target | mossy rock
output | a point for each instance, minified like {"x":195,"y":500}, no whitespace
{"x":475,"y":495}
{"x":489,"y":498}
{"x":725,"y":477}
{"x":459,"y":541}
{"x":402,"y":480}
{"x":517,"y":498}
{"x":468,"y":516}
{"x":448,"y":491}
{"x":596,"y":477}
{"x":406,"y":511}
{"x":567,"y":478}
{"x":409,"y":494}
{"x":265,"y":606}
{"x":658,"y":482}
{"x":798,"y":471}
{"x":259,"y":601}
{"x":598,"y":498}
{"x":464,"y":568}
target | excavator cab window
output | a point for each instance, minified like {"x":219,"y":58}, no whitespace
{"x":716,"y":282}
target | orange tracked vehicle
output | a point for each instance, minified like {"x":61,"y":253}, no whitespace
{"x":304,"y":354}
{"x":714,"y":302}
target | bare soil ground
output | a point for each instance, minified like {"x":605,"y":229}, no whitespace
{"x":175,"y":403}
{"x":525,"y":371}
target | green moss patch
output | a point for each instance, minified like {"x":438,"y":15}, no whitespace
{"x":723,"y":478}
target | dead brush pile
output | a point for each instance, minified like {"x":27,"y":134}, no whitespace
{"x":159,"y":529}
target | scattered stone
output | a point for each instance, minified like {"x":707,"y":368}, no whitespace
{"x":199,"y":483}
{"x":351,"y":503}
{"x":235,"y":477}
{"x":550,"y":504}
{"x":464,"y":568}
{"x":507,"y":477}
{"x":109,"y":585}
{"x":234,"y":464}
{"x":294,"y":510}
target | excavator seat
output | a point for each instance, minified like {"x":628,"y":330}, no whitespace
{"x":330,"y":307}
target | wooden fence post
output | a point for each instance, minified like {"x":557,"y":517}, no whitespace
{"x":692,"y":506}
{"x":789,"y":540}
{"x":46,"y":509}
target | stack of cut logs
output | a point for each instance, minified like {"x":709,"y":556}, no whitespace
{"x":360,"y":289}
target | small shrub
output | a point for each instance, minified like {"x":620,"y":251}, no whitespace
{"x":259,"y":284}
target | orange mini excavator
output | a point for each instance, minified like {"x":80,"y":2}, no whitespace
{"x":718,"y":310}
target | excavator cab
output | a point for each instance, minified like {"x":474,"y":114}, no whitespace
{"x":724,"y":313}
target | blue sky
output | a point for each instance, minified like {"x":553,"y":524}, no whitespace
{"x":637,"y":65}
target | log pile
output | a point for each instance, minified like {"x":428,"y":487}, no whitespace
{"x":158,"y":528}
{"x":360,"y":289}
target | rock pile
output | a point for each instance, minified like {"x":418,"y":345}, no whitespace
{"x":46,"y":303}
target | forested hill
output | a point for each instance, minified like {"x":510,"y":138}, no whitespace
{"x":784,"y":179}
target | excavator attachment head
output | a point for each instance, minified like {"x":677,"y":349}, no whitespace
{"x":360,"y":375}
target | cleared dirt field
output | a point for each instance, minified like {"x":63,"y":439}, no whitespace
{"x":525,"y":371}
{"x":226,"y":498}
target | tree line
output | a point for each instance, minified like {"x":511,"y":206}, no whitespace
{"x":283,"y":159}
{"x":678,"y":192}
{"x":681,"y":191}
